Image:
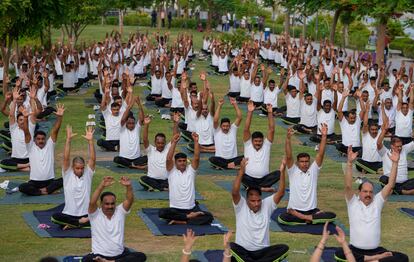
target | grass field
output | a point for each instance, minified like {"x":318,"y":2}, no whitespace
{"x":19,"y":243}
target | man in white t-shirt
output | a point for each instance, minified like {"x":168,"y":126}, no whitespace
{"x":77,"y":183}
{"x":257,"y":150}
{"x":225,"y":138}
{"x":308,"y":109}
{"x":302,"y":207}
{"x":108,"y":224}
{"x":253,"y":219}
{"x":364,"y":212}
{"x":42,"y":159}
{"x":371,"y":161}
{"x":157,"y":175}
{"x":403,"y":185}
{"x":181,"y":179}
{"x":350,"y":126}
{"x":129,"y":142}
{"x":404,"y":116}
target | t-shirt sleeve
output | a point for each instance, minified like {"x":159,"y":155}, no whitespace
{"x":382,"y":151}
{"x":239,"y":206}
{"x":409,"y":147}
{"x":122,"y":209}
{"x":352,"y":200}
{"x":269,"y":204}
{"x":93,"y":215}
{"x":379,"y":200}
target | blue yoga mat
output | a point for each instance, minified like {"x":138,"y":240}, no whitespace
{"x":78,"y":258}
{"x":328,"y":254}
{"x":142,"y":194}
{"x":34,"y":218}
{"x":209,"y":255}
{"x":14,"y":173}
{"x":308,"y":229}
{"x":119,"y":170}
{"x":205,"y":168}
{"x":408,"y":211}
{"x":160,"y":227}
{"x":228,"y":186}
{"x":19,"y":198}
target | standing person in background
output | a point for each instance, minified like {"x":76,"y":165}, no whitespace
{"x":153,"y":18}
{"x":169,"y":19}
{"x":162,"y":15}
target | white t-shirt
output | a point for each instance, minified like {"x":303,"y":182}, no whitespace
{"x":327,"y":118}
{"x":42,"y":160}
{"x":77,"y":191}
{"x":157,"y":162}
{"x":234,"y":83}
{"x":390,"y":114}
{"x":68,"y":79}
{"x":252,"y":229}
{"x":270,"y":97}
{"x":245,"y":87}
{"x":404,"y":123}
{"x":112,"y":124}
{"x":327,"y":94}
{"x":292,"y":106}
{"x":351,"y":132}
{"x":365,"y":222}
{"x":177,"y":101}
{"x":303,"y":187}
{"x":308,"y":116}
{"x":256,"y":92}
{"x":129,"y":142}
{"x":156,"y":85}
{"x":402,"y":172}
{"x":108,"y":234}
{"x":182,"y":188}
{"x":190,"y":118}
{"x":258,"y":164}
{"x":222,"y":64}
{"x":205,"y":129}
{"x":369,"y":148}
{"x":226,"y":144}
{"x":19,"y":149}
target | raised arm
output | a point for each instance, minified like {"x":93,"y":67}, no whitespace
{"x":345,"y":94}
{"x":129,"y":199}
{"x":282,"y":183}
{"x":235,"y":192}
{"x":288,"y":147}
{"x":216,"y":120}
{"x":91,"y":148}
{"x":145,"y":140}
{"x":196,"y":156}
{"x":93,"y":204}
{"x":246,"y":131}
{"x":388,"y":188}
{"x":170,"y":154}
{"x":27,"y":135}
{"x":239,"y":116}
{"x":271,"y":123}
{"x":348,"y":175}
{"x":60,"y":110}
{"x":322,"y":145}
{"x":384,"y":129}
{"x":411,"y":96}
{"x":66,"y":151}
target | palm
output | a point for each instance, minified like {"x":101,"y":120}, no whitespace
{"x":250,"y":107}
{"x":107,"y":181}
{"x":125,"y":181}
{"x":60,"y":109}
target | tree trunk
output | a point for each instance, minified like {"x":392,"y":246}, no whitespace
{"x":274,"y":12}
{"x":304,"y":27}
{"x":345,"y":33}
{"x":333,"y":27}
{"x":49,"y":36}
{"x":209,"y":14}
{"x":287,"y":22}
{"x":121,"y":21}
{"x":159,"y":16}
{"x":381,"y":28}
{"x":316,"y":26}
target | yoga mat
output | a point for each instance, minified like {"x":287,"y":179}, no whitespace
{"x":34,"y":218}
{"x":308,"y":229}
{"x":14,"y":173}
{"x":205,"y":168}
{"x":228,"y":185}
{"x":328,"y":254}
{"x":110,"y":165}
{"x":393,"y":197}
{"x":90,"y":102}
{"x":142,"y":194}
{"x":102,"y":155}
{"x":209,"y":255}
{"x":78,"y":258}
{"x":160,"y":227}
{"x":408,"y":211}
{"x":19,"y":198}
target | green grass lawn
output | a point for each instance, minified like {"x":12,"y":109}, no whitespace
{"x":19,"y":243}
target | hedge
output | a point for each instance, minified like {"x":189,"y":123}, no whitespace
{"x":405,"y":45}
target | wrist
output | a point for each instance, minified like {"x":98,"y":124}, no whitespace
{"x":187,"y":251}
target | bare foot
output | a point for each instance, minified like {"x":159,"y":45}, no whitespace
{"x":268,"y":189}
{"x":177,"y":222}
{"x":43,"y":191}
{"x":100,"y":259}
{"x":83,"y":220}
{"x":195,"y":214}
{"x":165,"y":189}
{"x":231,"y":165}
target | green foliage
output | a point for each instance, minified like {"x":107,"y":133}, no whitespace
{"x":358,"y":35}
{"x":280,"y":19}
{"x":404,"y":44}
{"x":394,"y":28}
{"x":236,"y":38}
{"x":250,"y":8}
{"x":324,"y":27}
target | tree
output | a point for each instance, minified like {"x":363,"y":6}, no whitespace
{"x":79,"y":13}
{"x":346,"y":19}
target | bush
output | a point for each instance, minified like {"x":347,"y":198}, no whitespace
{"x":394,"y":28}
{"x":130,"y":19}
{"x":236,"y":38}
{"x":358,"y":35}
{"x":404,"y":44}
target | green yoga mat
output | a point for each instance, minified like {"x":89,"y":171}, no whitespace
{"x":142,"y":194}
{"x":14,"y":173}
{"x":19,"y":198}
